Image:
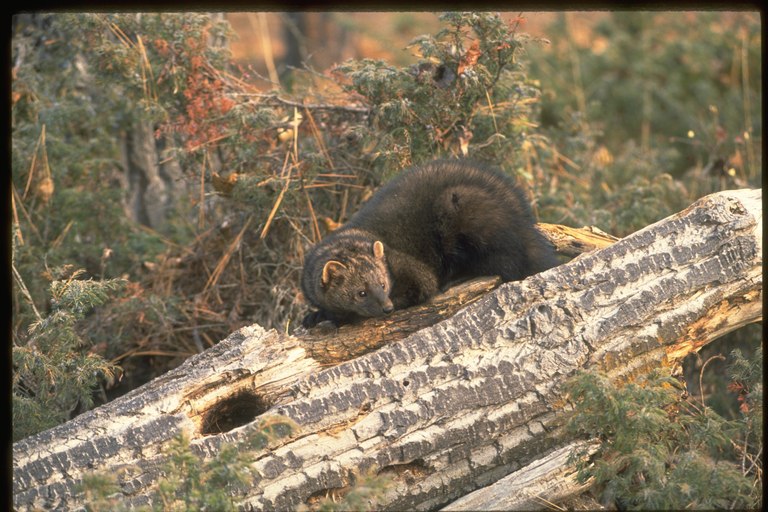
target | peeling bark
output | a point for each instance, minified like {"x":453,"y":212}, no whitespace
{"x":449,"y":409}
{"x":572,"y":241}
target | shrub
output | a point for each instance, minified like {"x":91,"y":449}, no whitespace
{"x":659,"y":451}
{"x":55,"y":371}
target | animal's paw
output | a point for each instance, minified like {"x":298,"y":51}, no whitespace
{"x":313,"y":318}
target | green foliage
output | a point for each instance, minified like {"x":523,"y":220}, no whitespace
{"x":641,"y":95}
{"x":363,"y":495}
{"x":55,"y":371}
{"x":466,"y":95}
{"x":74,"y":96}
{"x":101,"y":492}
{"x":159,"y":59}
{"x":65,"y":171}
{"x":653,"y":77}
{"x":188,"y":482}
{"x":623,"y":415}
{"x":747,"y":382}
{"x":192,"y":485}
{"x":660,"y":452}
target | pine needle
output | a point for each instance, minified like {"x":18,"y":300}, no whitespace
{"x":20,"y":202}
{"x":315,"y":226}
{"x":147,"y":76}
{"x":278,"y":201}
{"x":32,"y":166}
{"x":16,"y":219}
{"x":59,"y":239}
{"x":275,"y":207}
{"x":25,"y":291}
{"x":224,"y":261}
{"x":318,"y":137}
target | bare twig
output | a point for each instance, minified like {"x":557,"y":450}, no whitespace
{"x":16,"y":223}
{"x":701,"y":374}
{"x":271,"y":99}
{"x":227,"y":256}
{"x":30,"y":175}
{"x":25,"y":291}
{"x":279,"y":200}
{"x":318,"y":137}
{"x":18,"y":200}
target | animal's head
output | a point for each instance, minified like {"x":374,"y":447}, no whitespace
{"x":360,"y":285}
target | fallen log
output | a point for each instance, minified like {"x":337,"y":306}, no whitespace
{"x":445,"y":411}
{"x":330,"y":345}
{"x":539,"y":485}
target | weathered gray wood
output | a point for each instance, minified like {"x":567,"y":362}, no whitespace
{"x":449,"y":409}
{"x":537,"y":486}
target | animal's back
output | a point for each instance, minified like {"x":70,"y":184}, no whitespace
{"x":459,"y":217}
{"x":432,"y":225}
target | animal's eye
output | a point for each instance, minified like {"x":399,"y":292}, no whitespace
{"x":383,"y":285}
{"x":362,"y":294}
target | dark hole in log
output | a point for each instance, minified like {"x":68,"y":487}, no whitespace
{"x":233,"y":412}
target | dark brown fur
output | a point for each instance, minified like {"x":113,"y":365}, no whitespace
{"x":445,"y":221}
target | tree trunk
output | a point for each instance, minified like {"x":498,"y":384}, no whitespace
{"x":450,"y":408}
{"x":152,"y":178}
{"x":316,"y":39}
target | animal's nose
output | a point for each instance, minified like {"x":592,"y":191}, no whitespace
{"x":388,"y":308}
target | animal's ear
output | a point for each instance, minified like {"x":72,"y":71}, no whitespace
{"x":331,"y":270}
{"x":378,"y":249}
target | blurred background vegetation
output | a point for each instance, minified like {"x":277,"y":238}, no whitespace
{"x":169,"y":170}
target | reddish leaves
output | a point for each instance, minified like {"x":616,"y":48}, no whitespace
{"x":470,"y":58}
{"x":205,"y":95}
{"x":743,"y":393}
